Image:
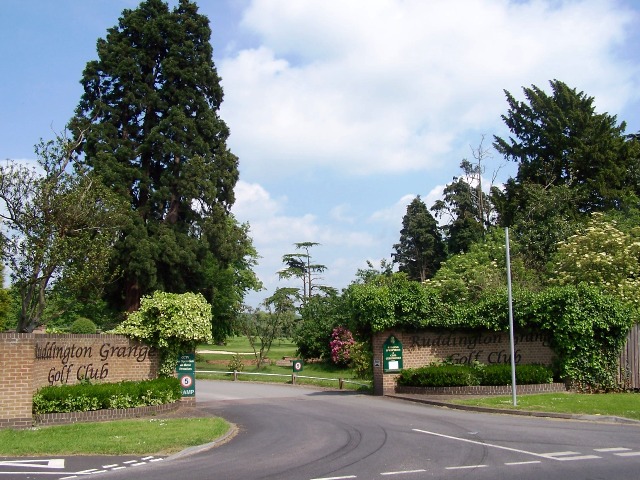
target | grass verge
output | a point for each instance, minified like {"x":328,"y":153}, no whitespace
{"x":124,"y":437}
{"x":625,"y":405}
{"x":214,"y":359}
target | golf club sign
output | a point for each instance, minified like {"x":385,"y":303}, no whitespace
{"x":392,"y":355}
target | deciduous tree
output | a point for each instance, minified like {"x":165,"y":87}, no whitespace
{"x":603,"y":256}
{"x":59,"y":225}
{"x":464,"y":207}
{"x":263,"y":327}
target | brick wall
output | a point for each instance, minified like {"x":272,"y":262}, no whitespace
{"x":50,"y":419}
{"x":16,"y":379}
{"x":31,"y":361}
{"x":428,"y":346}
{"x":68,"y":359}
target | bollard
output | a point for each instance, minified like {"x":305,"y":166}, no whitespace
{"x":235,"y":375}
{"x":341,"y":383}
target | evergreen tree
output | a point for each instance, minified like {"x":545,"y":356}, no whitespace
{"x":300,"y":265}
{"x":421,"y":249}
{"x":571,"y":160}
{"x":149,"y":114}
{"x":460,"y":204}
{"x":559,"y":140}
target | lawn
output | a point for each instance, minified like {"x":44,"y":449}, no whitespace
{"x":217,"y":358}
{"x":625,"y":405}
{"x":131,"y":437}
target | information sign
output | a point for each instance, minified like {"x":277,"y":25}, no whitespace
{"x":392,"y":355}
{"x":186,"y":370}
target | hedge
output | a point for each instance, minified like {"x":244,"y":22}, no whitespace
{"x":464,"y":375}
{"x":85,"y":396}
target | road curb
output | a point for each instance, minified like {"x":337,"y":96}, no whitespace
{"x":525,"y":413}
{"x":233,"y":430}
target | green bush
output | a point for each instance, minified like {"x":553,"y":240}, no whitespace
{"x":362,"y":360}
{"x":525,"y":374}
{"x":86,"y":396}
{"x":588,"y":328}
{"x":235,"y":364}
{"x":171,"y":322}
{"x":439,"y":376}
{"x":465,"y":375}
{"x":83,"y":325}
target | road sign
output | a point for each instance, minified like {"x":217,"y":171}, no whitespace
{"x":186,"y":370}
{"x":297,"y":365}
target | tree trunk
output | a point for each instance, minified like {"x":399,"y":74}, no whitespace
{"x":132,"y":296}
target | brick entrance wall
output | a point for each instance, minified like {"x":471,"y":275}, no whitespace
{"x":31,"y":361}
{"x":428,"y":346}
{"x":16,"y":379}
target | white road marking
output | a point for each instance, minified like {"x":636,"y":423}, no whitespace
{"x":401,"y":472}
{"x":465,"y":467}
{"x":524,"y":463}
{"x":49,"y":463}
{"x":32,"y":473}
{"x":569,"y":456}
{"x":614,"y":449}
{"x":334,"y":478}
{"x":484,"y":444}
{"x":560,"y":456}
{"x":627,"y":454}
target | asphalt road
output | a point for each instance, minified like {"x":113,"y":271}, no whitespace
{"x":296,"y":433}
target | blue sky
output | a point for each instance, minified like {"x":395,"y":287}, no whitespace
{"x":341,"y":111}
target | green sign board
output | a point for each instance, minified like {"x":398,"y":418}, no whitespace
{"x":186,"y":370}
{"x":392,"y":355}
{"x":297,"y":365}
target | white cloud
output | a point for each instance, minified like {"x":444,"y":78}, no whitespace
{"x":393,"y":90}
{"x":274,"y":234}
{"x":394,"y":213}
{"x":342,"y":213}
{"x":392,"y":86}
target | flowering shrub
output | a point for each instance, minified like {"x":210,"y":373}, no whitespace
{"x":173,"y":323}
{"x":341,"y":343}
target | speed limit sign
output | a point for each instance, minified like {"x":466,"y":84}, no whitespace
{"x":186,"y":381}
{"x":297,"y":365}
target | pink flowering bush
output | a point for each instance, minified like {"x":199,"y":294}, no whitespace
{"x":340,"y":344}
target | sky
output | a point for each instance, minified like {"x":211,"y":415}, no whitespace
{"x":341,"y":111}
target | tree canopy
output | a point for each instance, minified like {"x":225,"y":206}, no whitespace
{"x":300,"y":265}
{"x":559,"y":139}
{"x":58,"y":228}
{"x":602,"y":255}
{"x":421,"y":249}
{"x":149,"y":114}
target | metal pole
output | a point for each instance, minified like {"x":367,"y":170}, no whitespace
{"x":513,"y":356}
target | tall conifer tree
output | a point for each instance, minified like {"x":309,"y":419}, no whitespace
{"x":421,"y":249}
{"x":149,"y":114}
